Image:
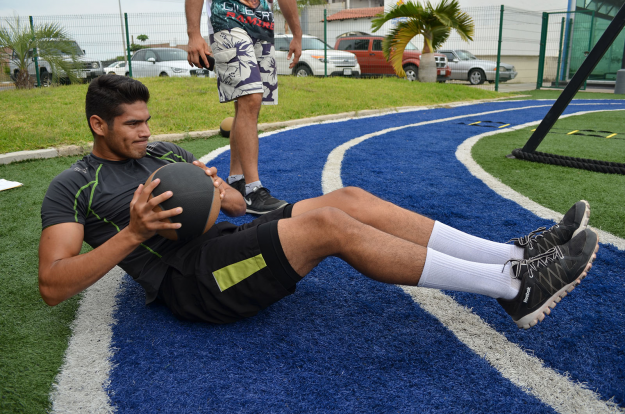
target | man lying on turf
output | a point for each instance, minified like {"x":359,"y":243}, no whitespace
{"x":232,"y":272}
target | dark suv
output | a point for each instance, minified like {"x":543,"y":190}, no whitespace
{"x":368,"y":50}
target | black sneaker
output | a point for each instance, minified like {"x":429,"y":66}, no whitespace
{"x":239,"y":185}
{"x":260,"y":201}
{"x":542,"y":239}
{"x":548,"y":277}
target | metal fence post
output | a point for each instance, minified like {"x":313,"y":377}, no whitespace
{"x":560,"y":51}
{"x":592,"y":28}
{"x":499,"y":49}
{"x":32,"y":30}
{"x":543,"y":47}
{"x":325,"y":43}
{"x":128,"y":43}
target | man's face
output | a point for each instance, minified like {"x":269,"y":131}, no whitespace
{"x":128,"y":137}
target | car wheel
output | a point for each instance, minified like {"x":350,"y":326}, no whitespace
{"x":45,"y":78}
{"x":163,"y":75}
{"x":412,"y":72}
{"x":302,"y":71}
{"x":477,"y":77}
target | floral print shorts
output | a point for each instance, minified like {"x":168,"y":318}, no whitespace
{"x":243,"y":66}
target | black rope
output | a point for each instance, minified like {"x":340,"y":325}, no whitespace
{"x":573,"y":162}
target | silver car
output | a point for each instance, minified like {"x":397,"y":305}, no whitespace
{"x":163,"y":62}
{"x":465,"y":66}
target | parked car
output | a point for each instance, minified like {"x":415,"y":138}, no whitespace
{"x":312,"y":60}
{"x":163,"y":61}
{"x":91,"y":67}
{"x":118,"y":68}
{"x":465,"y":66}
{"x":368,"y":50}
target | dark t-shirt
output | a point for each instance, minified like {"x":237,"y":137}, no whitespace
{"x":253,"y":16}
{"x":97,"y":193}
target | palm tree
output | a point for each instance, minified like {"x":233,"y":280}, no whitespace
{"x":17,"y":42}
{"x":434,"y":23}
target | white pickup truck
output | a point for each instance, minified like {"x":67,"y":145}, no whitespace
{"x":89,"y":68}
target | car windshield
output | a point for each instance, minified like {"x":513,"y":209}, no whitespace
{"x":311,"y":43}
{"x":53,"y":47}
{"x":464,"y":55}
{"x":166,"y":55}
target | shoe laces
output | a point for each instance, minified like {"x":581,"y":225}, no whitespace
{"x":263,"y":193}
{"x":533,"y":237}
{"x":520,"y":266}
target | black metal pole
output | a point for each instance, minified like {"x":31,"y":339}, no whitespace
{"x":591,"y":61}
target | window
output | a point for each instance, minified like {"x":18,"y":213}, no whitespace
{"x":346,"y":44}
{"x":150,"y":54}
{"x":377,"y":45}
{"x":139,"y":56}
{"x":281,"y":44}
{"x":450,"y":56}
{"x":362,"y":44}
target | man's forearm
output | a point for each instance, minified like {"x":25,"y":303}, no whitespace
{"x":193,"y":10}
{"x":289,"y":11}
{"x":65,"y":278}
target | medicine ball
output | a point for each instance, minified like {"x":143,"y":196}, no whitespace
{"x":225,"y":127}
{"x":194,"y":191}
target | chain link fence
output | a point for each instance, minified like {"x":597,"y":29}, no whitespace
{"x":568,"y":37}
{"x":505,"y":39}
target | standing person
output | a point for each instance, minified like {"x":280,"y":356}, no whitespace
{"x":241,"y":37}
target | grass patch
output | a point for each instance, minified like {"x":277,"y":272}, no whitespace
{"x":50,"y":117}
{"x":558,"y":187}
{"x":33,"y":336}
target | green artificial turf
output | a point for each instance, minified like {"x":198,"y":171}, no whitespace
{"x":33,"y":336}
{"x":559,"y":187}
{"x":50,"y":117}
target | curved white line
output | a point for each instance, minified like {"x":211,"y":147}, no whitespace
{"x":527,"y":372}
{"x":463,"y":153}
{"x":80,"y":386}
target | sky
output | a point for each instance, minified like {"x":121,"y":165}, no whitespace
{"x":70,"y":7}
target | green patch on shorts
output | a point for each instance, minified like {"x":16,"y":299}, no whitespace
{"x":229,"y":276}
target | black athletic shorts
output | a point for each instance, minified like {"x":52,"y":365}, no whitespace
{"x":229,"y":273}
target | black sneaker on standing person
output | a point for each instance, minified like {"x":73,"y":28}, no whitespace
{"x":239,"y":185}
{"x":548,"y":277}
{"x":260,"y":201}
{"x":542,"y":239}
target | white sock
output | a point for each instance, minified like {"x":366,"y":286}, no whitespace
{"x":236,"y":177}
{"x":251,"y":186}
{"x":458,"y":244}
{"x":449,"y":273}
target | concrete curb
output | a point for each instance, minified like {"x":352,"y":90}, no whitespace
{"x":69,"y":150}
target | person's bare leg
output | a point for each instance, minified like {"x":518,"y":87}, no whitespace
{"x":235,"y":163}
{"x":244,"y":137}
{"x":373,"y":211}
{"x":314,"y":235}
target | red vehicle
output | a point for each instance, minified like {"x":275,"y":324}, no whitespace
{"x":368,"y":50}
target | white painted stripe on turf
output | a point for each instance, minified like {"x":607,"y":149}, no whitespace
{"x":463,"y":153}
{"x":525,"y":371}
{"x":80,"y":387}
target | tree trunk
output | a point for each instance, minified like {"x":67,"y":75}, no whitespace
{"x":23,"y":80}
{"x":427,"y":68}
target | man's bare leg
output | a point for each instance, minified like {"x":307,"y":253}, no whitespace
{"x":244,"y":137}
{"x":311,"y":236}
{"x":373,"y":211}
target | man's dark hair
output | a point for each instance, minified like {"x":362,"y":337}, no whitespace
{"x":106,"y":93}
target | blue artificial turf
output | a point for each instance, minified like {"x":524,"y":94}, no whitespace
{"x":343,"y":343}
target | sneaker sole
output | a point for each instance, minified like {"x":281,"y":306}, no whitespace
{"x":248,"y":210}
{"x":538,"y":315}
{"x":585,"y":220}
